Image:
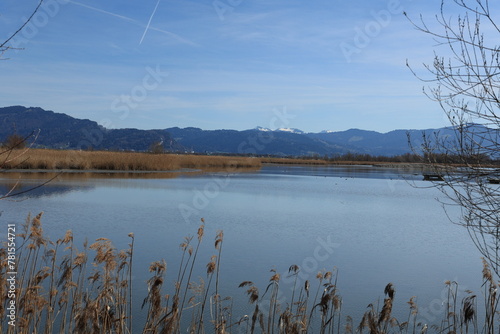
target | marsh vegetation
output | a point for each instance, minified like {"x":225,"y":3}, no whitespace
{"x":63,"y":288}
{"x":118,"y":161}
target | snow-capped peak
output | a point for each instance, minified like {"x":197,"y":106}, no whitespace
{"x":260,"y":128}
{"x":292,"y":130}
{"x":327,"y":131}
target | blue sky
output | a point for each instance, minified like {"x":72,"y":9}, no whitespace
{"x":222,"y":64}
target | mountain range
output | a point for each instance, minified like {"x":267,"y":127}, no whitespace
{"x":58,"y":130}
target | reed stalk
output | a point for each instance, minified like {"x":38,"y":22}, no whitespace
{"x":55,"y":294}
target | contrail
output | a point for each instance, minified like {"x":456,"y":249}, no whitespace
{"x":171,"y":34}
{"x":103,"y":11}
{"x":149,"y":22}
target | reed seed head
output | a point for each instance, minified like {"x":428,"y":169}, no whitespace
{"x":386,"y":311}
{"x":389,"y":290}
{"x":275,"y":278}
{"x":253,"y":294}
{"x":245,"y":283}
{"x":211,"y":265}
{"x":293,"y":269}
{"x":468,"y":309}
{"x":201,"y":231}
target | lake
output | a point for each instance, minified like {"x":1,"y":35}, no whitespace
{"x":374,"y":225}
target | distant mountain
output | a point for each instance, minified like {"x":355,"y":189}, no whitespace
{"x":398,"y":141}
{"x":61,"y":131}
{"x":65,"y":132}
{"x":254,"y":141}
{"x":260,"y":128}
{"x":375,"y":143}
{"x":291,"y":130}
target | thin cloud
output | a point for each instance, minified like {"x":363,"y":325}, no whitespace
{"x":105,"y":12}
{"x":175,"y":36}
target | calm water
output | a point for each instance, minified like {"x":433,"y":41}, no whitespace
{"x":373,"y":224}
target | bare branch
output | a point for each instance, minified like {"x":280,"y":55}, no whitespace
{"x":467,"y":87}
{"x":3,"y":47}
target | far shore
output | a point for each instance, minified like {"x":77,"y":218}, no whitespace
{"x":73,"y":161}
{"x":100,"y":171}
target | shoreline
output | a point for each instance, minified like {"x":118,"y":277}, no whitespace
{"x":193,"y":171}
{"x":98,"y":162}
{"x":99,"y":171}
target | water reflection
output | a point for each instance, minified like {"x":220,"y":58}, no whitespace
{"x":28,"y":183}
{"x":348,"y":171}
{"x":69,"y":180}
{"x":381,"y":229}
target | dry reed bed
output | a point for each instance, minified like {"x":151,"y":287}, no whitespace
{"x":63,"y":289}
{"x":118,"y":161}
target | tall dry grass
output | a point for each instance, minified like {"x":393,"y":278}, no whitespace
{"x":48,"y":159}
{"x":64,"y":289}
{"x":120,"y":161}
